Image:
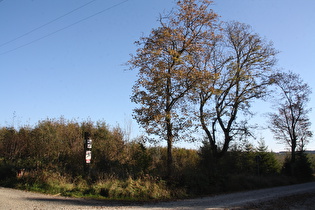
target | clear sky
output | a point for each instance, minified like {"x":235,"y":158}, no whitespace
{"x":66,"y":57}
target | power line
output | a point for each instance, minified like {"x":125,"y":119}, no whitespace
{"x":54,"y":20}
{"x":66,"y":27}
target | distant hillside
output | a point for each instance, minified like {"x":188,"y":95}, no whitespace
{"x":307,"y":152}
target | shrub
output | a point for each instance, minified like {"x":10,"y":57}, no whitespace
{"x":7,"y":174}
{"x":300,"y":169}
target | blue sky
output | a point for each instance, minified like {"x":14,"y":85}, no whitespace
{"x":74,"y":66}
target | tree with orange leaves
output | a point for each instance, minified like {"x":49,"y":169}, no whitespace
{"x":168,"y":61}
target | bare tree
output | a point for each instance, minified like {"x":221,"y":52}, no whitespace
{"x":238,"y":67}
{"x":167,"y":70}
{"x":291,"y":124}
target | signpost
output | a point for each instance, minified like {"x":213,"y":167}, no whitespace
{"x":88,"y":152}
{"x":88,"y":156}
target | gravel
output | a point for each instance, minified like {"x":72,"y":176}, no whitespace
{"x":300,"y":196}
{"x":305,"y":201}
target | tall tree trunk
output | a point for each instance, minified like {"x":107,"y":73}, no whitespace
{"x":169,"y":152}
{"x":293,"y":147}
{"x":211,"y":137}
{"x":226,"y":144}
{"x":169,"y":129}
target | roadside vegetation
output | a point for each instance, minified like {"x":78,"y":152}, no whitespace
{"x":50,"y":158}
{"x":197,"y":80}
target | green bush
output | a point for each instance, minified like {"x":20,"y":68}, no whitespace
{"x":7,"y":175}
{"x":300,"y":169}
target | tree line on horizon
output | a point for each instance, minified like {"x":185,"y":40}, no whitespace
{"x":31,"y":156}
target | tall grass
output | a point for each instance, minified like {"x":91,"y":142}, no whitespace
{"x":140,"y":189}
{"x":145,"y":188}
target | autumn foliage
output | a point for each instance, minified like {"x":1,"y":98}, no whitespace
{"x":197,"y":79}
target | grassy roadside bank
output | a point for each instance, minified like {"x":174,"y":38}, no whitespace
{"x":50,"y":158}
{"x":142,"y":189}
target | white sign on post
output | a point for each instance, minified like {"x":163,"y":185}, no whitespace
{"x":89,"y":144}
{"x":88,"y":156}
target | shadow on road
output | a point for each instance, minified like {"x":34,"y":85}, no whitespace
{"x":82,"y":202}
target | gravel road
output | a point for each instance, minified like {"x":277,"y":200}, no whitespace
{"x":289,"y":197}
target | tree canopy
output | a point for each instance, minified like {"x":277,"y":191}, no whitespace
{"x":241,"y":63}
{"x":167,"y":61}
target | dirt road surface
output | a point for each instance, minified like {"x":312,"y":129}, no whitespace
{"x":300,"y":196}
